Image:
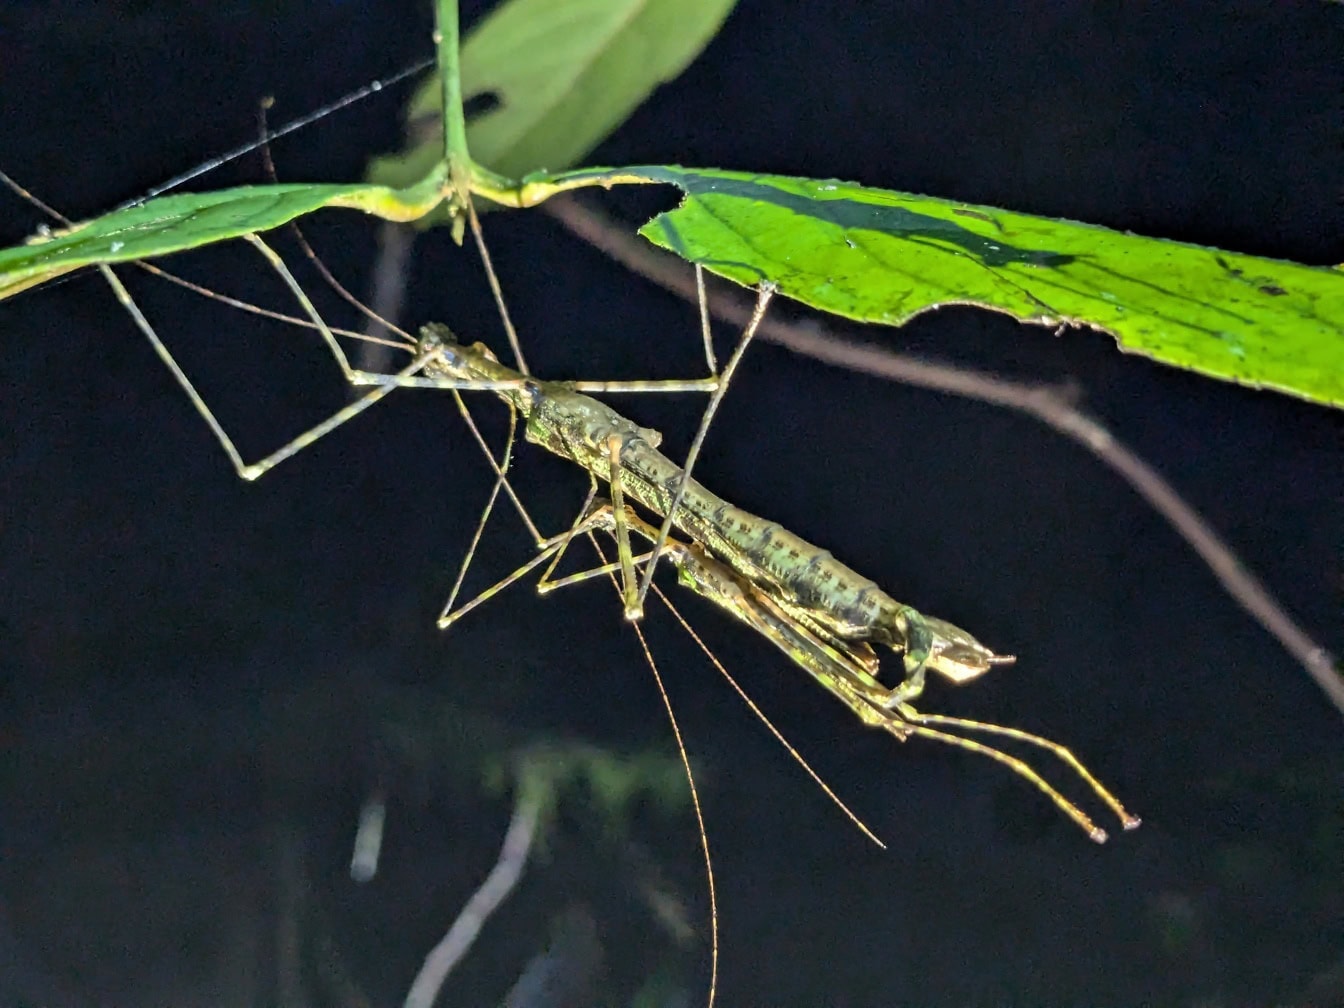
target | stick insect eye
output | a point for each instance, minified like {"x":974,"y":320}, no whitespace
{"x":959,"y":664}
{"x":534,"y":393}
{"x":435,"y":334}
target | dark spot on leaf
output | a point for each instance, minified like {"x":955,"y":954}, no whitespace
{"x":976,"y":215}
{"x":1273,"y":290}
{"x":481,"y":103}
{"x":850,"y":210}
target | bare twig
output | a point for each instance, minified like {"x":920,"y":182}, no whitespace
{"x":1052,"y":406}
{"x":391,"y":270}
{"x":484,"y":901}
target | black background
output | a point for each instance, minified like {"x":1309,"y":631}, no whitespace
{"x":192,"y":660}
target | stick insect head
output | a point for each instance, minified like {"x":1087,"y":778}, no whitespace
{"x":436,"y":336}
{"x":447,"y":358}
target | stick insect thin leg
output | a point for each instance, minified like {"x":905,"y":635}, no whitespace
{"x":545,"y":585}
{"x":493,"y":279}
{"x":382,"y":384}
{"x":1128,"y":821}
{"x":255,"y":469}
{"x":1023,"y":770}
{"x":763,"y":296}
{"x":876,"y":715}
{"x":352,"y":375}
{"x":447,"y":618}
{"x":633,"y":609}
{"x":548,"y":549}
{"x":706,"y":330}
{"x":611,"y":567}
{"x":501,"y":468}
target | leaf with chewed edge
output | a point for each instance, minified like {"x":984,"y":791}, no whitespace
{"x":875,"y":255}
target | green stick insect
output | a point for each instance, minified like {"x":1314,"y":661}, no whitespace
{"x":820,"y":612}
{"x":823,"y":615}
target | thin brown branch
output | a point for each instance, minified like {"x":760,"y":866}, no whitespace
{"x":493,"y":891}
{"x":1052,"y":406}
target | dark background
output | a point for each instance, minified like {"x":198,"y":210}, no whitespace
{"x":202,"y":676}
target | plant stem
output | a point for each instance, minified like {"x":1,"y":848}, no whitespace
{"x":446,"y":38}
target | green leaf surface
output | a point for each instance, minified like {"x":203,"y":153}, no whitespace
{"x":184,"y":221}
{"x":875,"y":255}
{"x":563,"y":74}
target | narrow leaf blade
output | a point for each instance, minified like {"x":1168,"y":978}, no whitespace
{"x":561,"y":75}
{"x":176,"y":223}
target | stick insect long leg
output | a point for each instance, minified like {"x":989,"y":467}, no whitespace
{"x":247,"y":471}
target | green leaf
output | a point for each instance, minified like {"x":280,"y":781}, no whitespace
{"x":189,"y":220}
{"x":875,"y":255}
{"x":563,"y":74}
{"x":612,"y":782}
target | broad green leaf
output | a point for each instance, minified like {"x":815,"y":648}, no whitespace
{"x":875,"y":255}
{"x":563,"y":74}
{"x":189,"y":220}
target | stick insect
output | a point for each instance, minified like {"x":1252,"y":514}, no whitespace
{"x":816,"y":610}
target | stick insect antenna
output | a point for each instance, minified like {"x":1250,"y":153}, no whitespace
{"x":359,"y":94}
{"x":690,"y":781}
{"x":765,"y":720}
